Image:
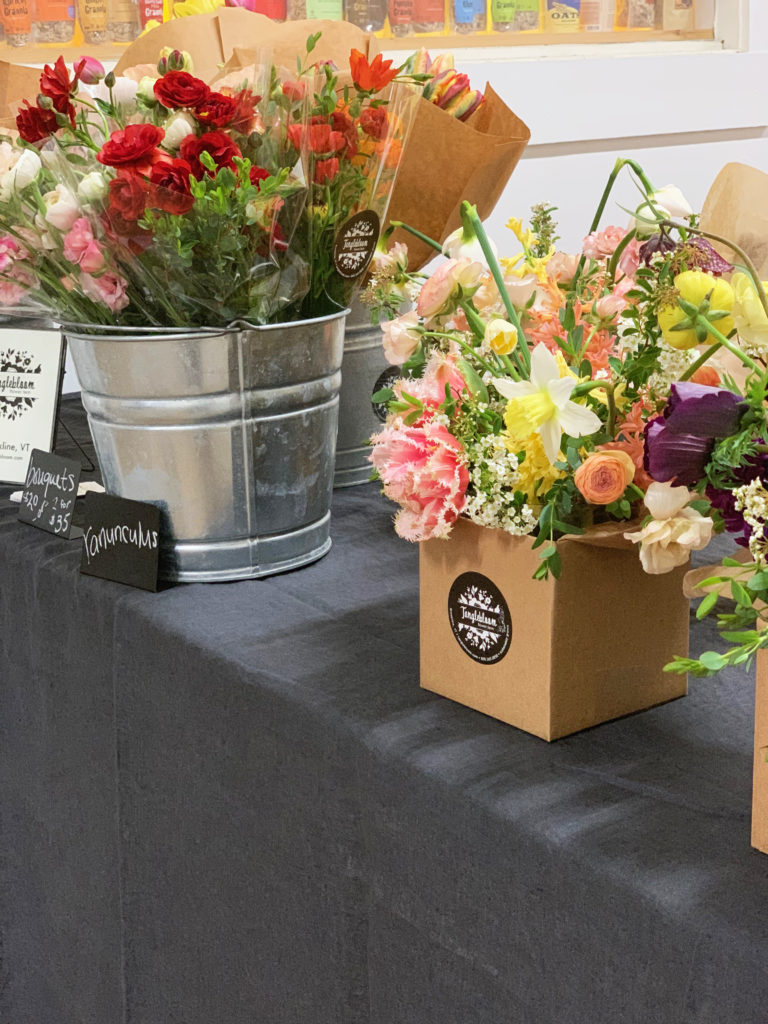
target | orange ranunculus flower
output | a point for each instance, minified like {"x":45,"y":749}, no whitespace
{"x":373,"y":76}
{"x":603,"y":476}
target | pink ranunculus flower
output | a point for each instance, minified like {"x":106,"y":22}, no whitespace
{"x":423,"y":468}
{"x":562,"y":266}
{"x":608,"y":306}
{"x":399,"y":337}
{"x":9,"y":251}
{"x":603,"y":243}
{"x":81,"y":248}
{"x":443,"y":286}
{"x":15,"y":285}
{"x":629,"y":260}
{"x":520,"y":289}
{"x":109,"y":288}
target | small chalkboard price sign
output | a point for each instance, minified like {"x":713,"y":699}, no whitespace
{"x":50,"y":491}
{"x":121,"y":540}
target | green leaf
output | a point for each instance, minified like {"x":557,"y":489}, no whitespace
{"x":382,"y":396}
{"x":740,"y":593}
{"x":474,"y":381}
{"x":707,"y":604}
{"x":713,"y":661}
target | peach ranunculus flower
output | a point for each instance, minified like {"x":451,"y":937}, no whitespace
{"x":603,"y":477}
{"x":423,"y":468}
{"x":439,"y":292}
{"x":400,"y":337}
{"x":675,"y":530}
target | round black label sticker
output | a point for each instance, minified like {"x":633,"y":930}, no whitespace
{"x":356,"y":243}
{"x":384,"y":380}
{"x":479,"y":618}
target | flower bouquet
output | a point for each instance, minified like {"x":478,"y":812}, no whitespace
{"x":199,"y":243}
{"x":551,"y":402}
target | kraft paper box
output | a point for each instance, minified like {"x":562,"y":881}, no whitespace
{"x":760,"y":781}
{"x":550,"y":657}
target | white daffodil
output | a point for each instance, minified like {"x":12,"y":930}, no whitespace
{"x":542,"y":404}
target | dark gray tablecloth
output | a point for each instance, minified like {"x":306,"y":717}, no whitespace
{"x":232,"y":804}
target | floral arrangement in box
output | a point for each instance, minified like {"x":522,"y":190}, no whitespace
{"x":167,"y":201}
{"x":548,"y":392}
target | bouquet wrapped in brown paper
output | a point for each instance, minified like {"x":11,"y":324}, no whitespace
{"x":476,"y":156}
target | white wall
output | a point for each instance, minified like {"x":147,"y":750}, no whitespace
{"x":683,"y":110}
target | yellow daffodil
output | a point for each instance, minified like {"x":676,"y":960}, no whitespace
{"x":535,"y":474}
{"x":542,"y":405}
{"x":748,"y":313}
{"x":501,"y":336}
{"x":694,"y":286}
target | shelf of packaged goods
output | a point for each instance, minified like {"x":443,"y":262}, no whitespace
{"x":110,"y":52}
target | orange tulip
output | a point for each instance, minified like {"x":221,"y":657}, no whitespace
{"x":371,"y":76}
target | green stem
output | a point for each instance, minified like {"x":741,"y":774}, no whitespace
{"x":477,"y":358}
{"x":614,"y":260}
{"x":418,"y":234}
{"x":733,"y":349}
{"x":593,"y":385}
{"x":474,"y":319}
{"x":700,"y":361}
{"x":498,"y":277}
{"x":620,"y":163}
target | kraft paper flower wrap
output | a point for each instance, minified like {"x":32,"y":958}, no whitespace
{"x":581,"y":397}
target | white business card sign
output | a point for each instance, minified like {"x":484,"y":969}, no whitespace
{"x":31,"y":365}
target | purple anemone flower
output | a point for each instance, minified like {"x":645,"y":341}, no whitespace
{"x":703,"y":410}
{"x":672,"y":456}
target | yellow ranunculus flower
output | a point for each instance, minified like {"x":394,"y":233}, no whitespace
{"x":748,"y":313}
{"x":501,"y":336}
{"x":694,"y":286}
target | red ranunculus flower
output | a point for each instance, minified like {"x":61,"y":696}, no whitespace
{"x":322,"y":139}
{"x":217,"y":110}
{"x":370,"y":77}
{"x":257,"y":175}
{"x":180,"y":89}
{"x":373,"y":121}
{"x":131,"y":146}
{"x":344,"y":124}
{"x":325,"y":171}
{"x":244,"y":117}
{"x":34,"y":123}
{"x":55,"y":84}
{"x":171,"y":181}
{"x":127,"y":196}
{"x":220,"y":146}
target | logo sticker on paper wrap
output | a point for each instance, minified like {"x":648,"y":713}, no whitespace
{"x":17,"y":383}
{"x":355,"y":244}
{"x":384,"y":380}
{"x":479,"y":618}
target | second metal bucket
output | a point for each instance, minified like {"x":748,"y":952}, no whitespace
{"x":232,"y":434}
{"x":365,"y":371}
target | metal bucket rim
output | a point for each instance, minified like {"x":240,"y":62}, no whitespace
{"x":114,"y":332}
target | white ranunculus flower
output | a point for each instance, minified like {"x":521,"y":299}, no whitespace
{"x":62,"y":209}
{"x":675,"y":530}
{"x":25,"y":170}
{"x":146,"y":89}
{"x":8,"y":157}
{"x":177,"y":128}
{"x":92,"y":187}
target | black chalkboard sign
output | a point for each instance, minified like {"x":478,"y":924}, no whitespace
{"x":50,"y":490}
{"x":121,"y":540}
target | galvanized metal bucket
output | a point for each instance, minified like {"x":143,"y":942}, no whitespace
{"x":231,"y":433}
{"x":363,"y":368}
